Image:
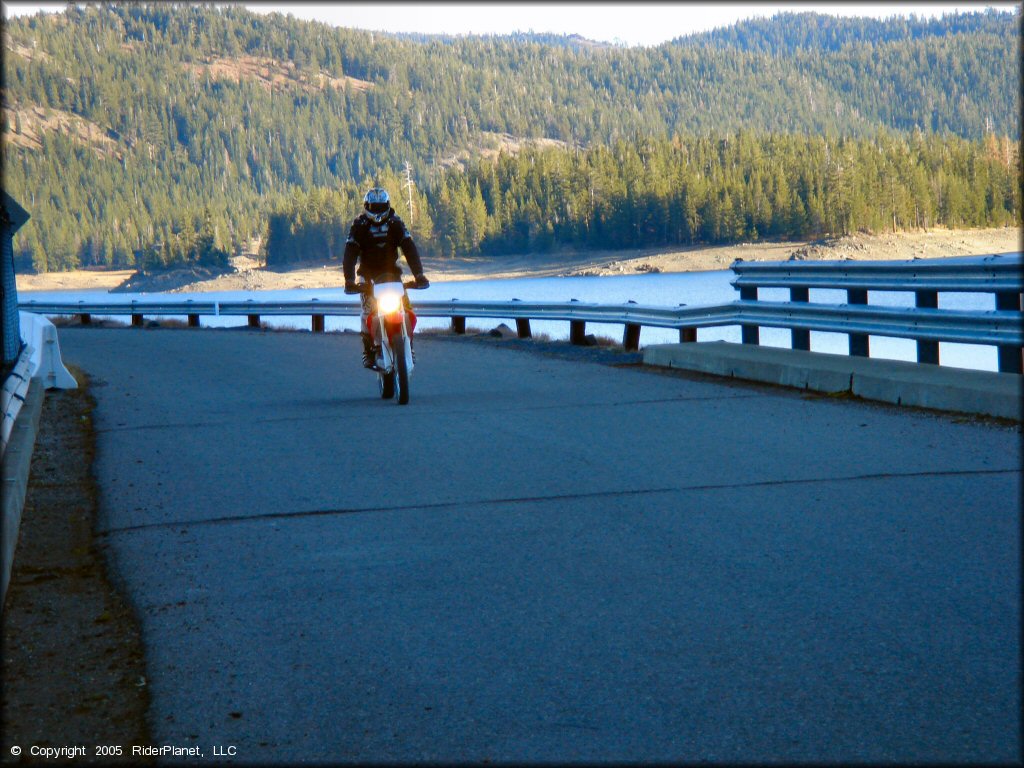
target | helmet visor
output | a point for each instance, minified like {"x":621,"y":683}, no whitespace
{"x":377,"y":208}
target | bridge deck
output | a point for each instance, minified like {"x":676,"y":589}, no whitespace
{"x":542,"y":560}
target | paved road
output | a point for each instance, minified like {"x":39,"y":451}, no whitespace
{"x":546,"y":560}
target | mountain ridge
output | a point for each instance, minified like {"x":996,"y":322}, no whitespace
{"x":159,"y":111}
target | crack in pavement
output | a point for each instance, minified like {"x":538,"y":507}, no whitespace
{"x":556,"y":497}
{"x":349,"y":416}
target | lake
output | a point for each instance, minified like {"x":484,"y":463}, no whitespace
{"x":670,"y":290}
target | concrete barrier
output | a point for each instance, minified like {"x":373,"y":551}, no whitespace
{"x":40,"y":358}
{"x":39,"y":367}
{"x":41,"y":336}
{"x":891,"y":381}
{"x":17,"y":459}
{"x":15,"y":389}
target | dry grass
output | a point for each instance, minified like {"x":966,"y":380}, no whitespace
{"x":271,"y":74}
{"x":73,"y":321}
{"x":36,"y":120}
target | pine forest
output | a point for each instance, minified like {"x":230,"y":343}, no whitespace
{"x":163,"y":135}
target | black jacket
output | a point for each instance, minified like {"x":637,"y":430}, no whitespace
{"x":375,"y":247}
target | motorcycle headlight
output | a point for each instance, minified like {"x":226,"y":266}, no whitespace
{"x":389,"y":302}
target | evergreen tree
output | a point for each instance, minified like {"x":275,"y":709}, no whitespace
{"x":860,"y":124}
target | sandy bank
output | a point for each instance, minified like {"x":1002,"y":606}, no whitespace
{"x":247,"y":275}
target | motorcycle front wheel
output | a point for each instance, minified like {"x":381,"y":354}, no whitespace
{"x":386,"y":383}
{"x":401,"y":376}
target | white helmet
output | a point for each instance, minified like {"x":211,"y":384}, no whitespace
{"x":377,"y":204}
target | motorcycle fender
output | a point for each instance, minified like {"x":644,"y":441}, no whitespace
{"x":393,"y":325}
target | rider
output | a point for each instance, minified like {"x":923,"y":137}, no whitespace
{"x":373,"y":240}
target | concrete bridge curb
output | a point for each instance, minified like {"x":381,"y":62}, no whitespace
{"x":891,"y":381}
{"x":17,"y":460}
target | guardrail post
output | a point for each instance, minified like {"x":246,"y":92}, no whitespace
{"x":859,"y":346}
{"x":458,"y":325}
{"x":137,"y":320}
{"x":800,"y":338}
{"x":318,"y":324}
{"x":631,"y":337}
{"x":577,"y":332}
{"x":927,"y":351}
{"x":193,"y":319}
{"x":1010,"y":358}
{"x":523,"y":328}
{"x":687,"y":335}
{"x":84,"y":317}
{"x":254,"y":321}
{"x":750,"y":334}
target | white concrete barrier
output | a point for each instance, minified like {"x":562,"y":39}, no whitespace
{"x":17,"y":459}
{"x":39,"y":359}
{"x":15,"y":391}
{"x":41,"y":336}
{"x":892,"y":381}
{"x":38,"y":368}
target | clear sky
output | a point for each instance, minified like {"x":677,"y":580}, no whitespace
{"x":628,"y":23}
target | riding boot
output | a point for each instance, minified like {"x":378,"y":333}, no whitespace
{"x":368,"y":356}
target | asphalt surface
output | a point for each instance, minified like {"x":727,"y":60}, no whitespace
{"x":547,"y":560}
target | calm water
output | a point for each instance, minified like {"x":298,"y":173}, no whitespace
{"x":692,"y":289}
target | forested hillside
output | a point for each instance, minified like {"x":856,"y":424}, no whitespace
{"x":160,"y":134}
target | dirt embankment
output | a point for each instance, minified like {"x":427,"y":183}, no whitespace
{"x":246,"y":274}
{"x":73,"y":665}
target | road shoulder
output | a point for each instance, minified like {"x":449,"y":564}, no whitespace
{"x":74,"y":670}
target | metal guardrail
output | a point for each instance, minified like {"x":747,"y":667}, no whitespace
{"x":1002,"y":275}
{"x":966,"y":327}
{"x":538,"y":310}
{"x":999,"y":274}
{"x":996,"y":273}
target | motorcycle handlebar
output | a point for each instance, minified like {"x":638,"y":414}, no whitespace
{"x":367,"y":288}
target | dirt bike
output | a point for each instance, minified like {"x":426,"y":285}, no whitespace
{"x":390,"y":324}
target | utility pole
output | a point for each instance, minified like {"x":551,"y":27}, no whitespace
{"x":408,"y":189}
